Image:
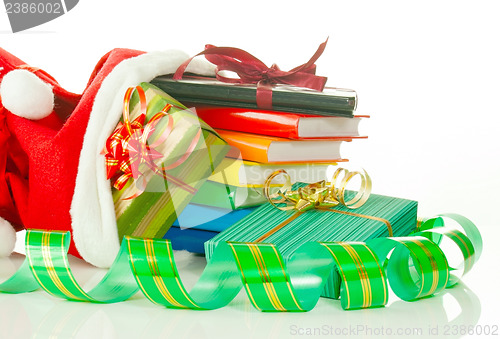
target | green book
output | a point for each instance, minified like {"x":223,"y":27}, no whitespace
{"x":208,"y":91}
{"x":220,"y":195}
{"x":380,"y":216}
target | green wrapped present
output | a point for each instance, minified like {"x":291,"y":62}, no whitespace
{"x":158,"y":157}
{"x":380,"y":216}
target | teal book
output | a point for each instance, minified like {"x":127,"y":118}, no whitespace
{"x":219,"y":195}
{"x":380,"y":216}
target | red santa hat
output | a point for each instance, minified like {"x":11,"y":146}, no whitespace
{"x":53,"y":174}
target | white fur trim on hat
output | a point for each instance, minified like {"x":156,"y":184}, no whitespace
{"x":7,"y":238}
{"x":92,"y":210}
{"x":26,"y":95}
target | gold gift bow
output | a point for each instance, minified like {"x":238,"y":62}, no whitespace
{"x":321,"y":195}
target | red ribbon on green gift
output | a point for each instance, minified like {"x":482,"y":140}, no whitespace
{"x":128,"y":154}
{"x":253,"y":71}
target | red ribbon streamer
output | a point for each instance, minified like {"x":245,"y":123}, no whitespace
{"x":127,"y":149}
{"x":253,"y":71}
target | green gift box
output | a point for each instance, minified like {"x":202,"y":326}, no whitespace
{"x":188,"y":151}
{"x":380,"y":216}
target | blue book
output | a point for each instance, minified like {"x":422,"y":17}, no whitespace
{"x":189,"y":239}
{"x":207,"y":218}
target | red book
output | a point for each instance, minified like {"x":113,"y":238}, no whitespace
{"x":280,"y":124}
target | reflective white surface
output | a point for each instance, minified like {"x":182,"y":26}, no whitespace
{"x":426,"y":72}
{"x":39,"y":315}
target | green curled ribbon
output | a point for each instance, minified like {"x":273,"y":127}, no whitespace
{"x":414,"y":267}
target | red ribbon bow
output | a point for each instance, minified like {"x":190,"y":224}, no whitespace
{"x":253,"y":71}
{"x":128,"y":154}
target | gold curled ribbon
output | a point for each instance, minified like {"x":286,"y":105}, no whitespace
{"x":320,"y":195}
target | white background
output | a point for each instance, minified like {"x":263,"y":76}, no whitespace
{"x":428,"y":74}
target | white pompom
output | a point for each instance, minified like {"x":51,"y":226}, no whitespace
{"x":7,"y":238}
{"x":26,"y":95}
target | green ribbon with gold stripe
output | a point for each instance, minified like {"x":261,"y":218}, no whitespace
{"x":414,"y":267}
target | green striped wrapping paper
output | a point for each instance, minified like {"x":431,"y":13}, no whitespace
{"x":152,"y":213}
{"x":317,"y":225}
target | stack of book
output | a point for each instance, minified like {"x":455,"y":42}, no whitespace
{"x":302,"y":134}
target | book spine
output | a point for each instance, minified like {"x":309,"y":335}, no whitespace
{"x":337,"y":103}
{"x":248,"y":147}
{"x":214,"y":195}
{"x":193,"y":102}
{"x":189,"y":239}
{"x":257,"y":122}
